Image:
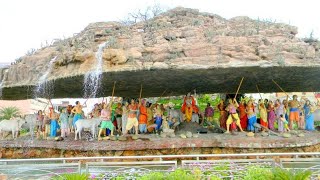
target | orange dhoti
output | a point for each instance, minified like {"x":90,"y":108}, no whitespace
{"x":189,"y":107}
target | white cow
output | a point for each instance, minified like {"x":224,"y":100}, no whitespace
{"x":13,"y":125}
{"x":91,"y":124}
{"x":31,"y":122}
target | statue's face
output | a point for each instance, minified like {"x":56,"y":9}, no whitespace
{"x":132,"y":101}
{"x":189,"y":94}
{"x":295,"y":97}
{"x":230,"y":101}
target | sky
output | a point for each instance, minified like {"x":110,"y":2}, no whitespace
{"x":25,"y":24}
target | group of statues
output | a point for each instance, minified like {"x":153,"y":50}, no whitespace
{"x":141,"y":116}
{"x":268,"y":114}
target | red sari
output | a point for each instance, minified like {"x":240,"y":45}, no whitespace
{"x":223,"y":116}
{"x":243,"y":116}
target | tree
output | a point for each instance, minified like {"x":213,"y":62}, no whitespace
{"x":9,"y":112}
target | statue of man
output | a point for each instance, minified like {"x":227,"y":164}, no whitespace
{"x":77,"y":111}
{"x":189,"y":106}
{"x":294,"y":115}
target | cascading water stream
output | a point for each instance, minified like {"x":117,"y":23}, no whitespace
{"x":45,"y":88}
{"x":92,"y":79}
{"x":1,"y":82}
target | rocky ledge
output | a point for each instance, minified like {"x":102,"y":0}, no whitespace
{"x":179,"y":50}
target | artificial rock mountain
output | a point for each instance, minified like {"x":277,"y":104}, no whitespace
{"x":177,"y":51}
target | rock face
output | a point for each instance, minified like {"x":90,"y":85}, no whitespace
{"x":179,"y":50}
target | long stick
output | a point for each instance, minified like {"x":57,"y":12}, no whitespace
{"x":113,"y":89}
{"x":279,"y":87}
{"x":258,"y":91}
{"x":140,"y":92}
{"x":238,"y":88}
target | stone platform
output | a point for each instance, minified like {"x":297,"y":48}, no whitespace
{"x":211,"y":143}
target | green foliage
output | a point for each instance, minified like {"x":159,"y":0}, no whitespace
{"x":71,"y":177}
{"x":9,"y":112}
{"x":180,"y":174}
{"x":258,"y":173}
{"x":282,"y":174}
{"x":153,"y":176}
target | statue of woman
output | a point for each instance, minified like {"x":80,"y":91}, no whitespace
{"x":233,"y":115}
{"x":279,"y":110}
{"x":243,"y":114}
{"x":263,"y":115}
{"x":308,"y":109}
{"x":223,"y":114}
{"x":252,"y":118}
{"x":271,"y":115}
{"x":106,"y":119}
{"x":189,"y":106}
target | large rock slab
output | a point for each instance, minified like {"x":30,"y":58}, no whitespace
{"x":180,"y":50}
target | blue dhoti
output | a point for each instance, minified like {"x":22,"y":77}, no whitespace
{"x":76,"y":117}
{"x":251,"y":121}
{"x":53,"y":128}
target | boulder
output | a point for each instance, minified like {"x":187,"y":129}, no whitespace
{"x":172,"y":135}
{"x":286,"y":135}
{"x":113,"y":138}
{"x":135,"y":137}
{"x":122,"y":138}
{"x":163,"y":135}
{"x":264,"y":134}
{"x":250,"y":134}
{"x":183,"y":136}
{"x":189,"y":134}
{"x":300,"y":135}
{"x":195,"y":135}
{"x":184,"y":46}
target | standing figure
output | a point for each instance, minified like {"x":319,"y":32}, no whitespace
{"x":223,"y":114}
{"x":279,"y":110}
{"x":150,"y":117}
{"x":209,"y":113}
{"x":271,"y":115}
{"x":132,"y":117}
{"x":124,"y":116}
{"x":106,"y":122}
{"x":64,"y":123}
{"x":96,"y":111}
{"x":243,"y":114}
{"x":294,"y":115}
{"x":118,"y":113}
{"x":308,"y":109}
{"x":285,"y":123}
{"x":263,"y":115}
{"x":233,"y":115}
{"x":40,"y":123}
{"x":54,"y":126}
{"x":143,"y":116}
{"x":252,"y":118}
{"x":189,"y":107}
{"x":77,"y":111}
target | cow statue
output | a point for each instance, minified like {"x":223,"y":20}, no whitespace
{"x":31,"y":122}
{"x":91,"y":124}
{"x":13,"y":125}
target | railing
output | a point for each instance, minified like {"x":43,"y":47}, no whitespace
{"x":22,"y":168}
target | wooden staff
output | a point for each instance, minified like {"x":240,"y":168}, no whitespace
{"x":140,"y":92}
{"x":258,"y":91}
{"x":238,"y":88}
{"x":279,"y":87}
{"x":113,"y":89}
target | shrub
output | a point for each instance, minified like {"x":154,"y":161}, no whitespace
{"x":9,"y":112}
{"x":71,"y":177}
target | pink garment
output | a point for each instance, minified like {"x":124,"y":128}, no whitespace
{"x":232,"y":109}
{"x":105,"y":114}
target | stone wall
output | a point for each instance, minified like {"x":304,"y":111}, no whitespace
{"x":20,"y":153}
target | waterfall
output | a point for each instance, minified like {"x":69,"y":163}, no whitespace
{"x":92,"y":79}
{"x":1,"y":87}
{"x":44,"y":88}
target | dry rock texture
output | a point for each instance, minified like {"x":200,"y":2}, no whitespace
{"x":179,"y":50}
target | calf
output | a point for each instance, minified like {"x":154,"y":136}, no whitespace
{"x":13,"y":125}
{"x":91,"y":124}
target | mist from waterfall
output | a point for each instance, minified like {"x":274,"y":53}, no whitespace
{"x":92,"y":79}
{"x":45,"y":88}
